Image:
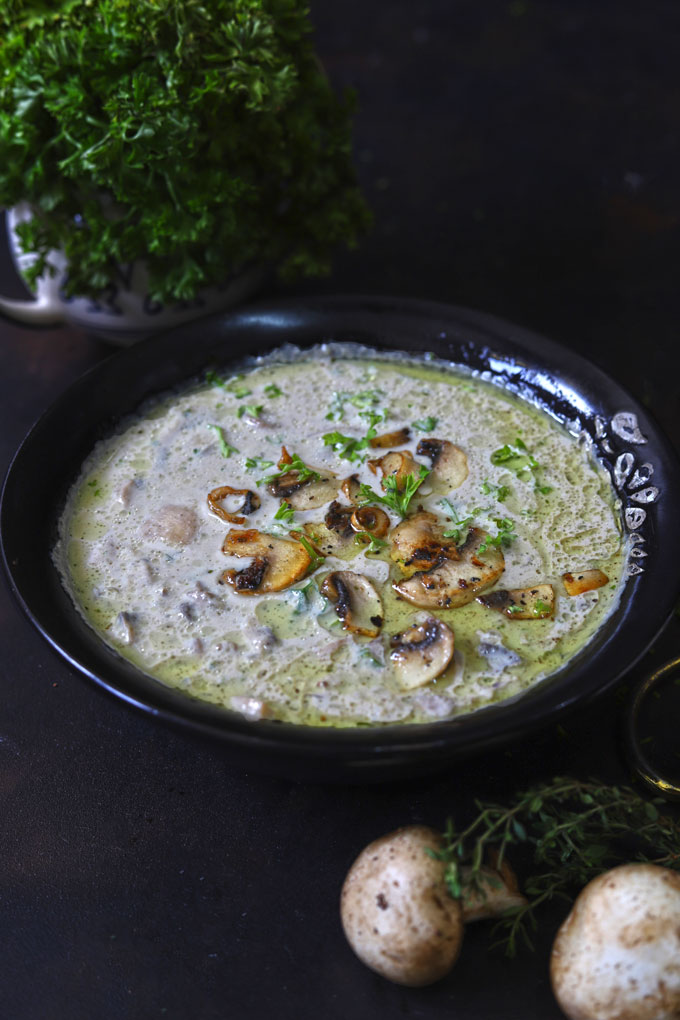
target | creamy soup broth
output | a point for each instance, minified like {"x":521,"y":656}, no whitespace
{"x":507,"y":505}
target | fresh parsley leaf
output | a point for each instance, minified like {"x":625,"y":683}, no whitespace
{"x":364,"y":401}
{"x":500,"y":492}
{"x":258,"y":464}
{"x":254,"y":410}
{"x":397,"y":499}
{"x":272,"y":390}
{"x":518,"y":459}
{"x":304,"y":473}
{"x":505,"y":535}
{"x":375,"y":544}
{"x":461,"y":525}
{"x":541,"y":607}
{"x":347,"y":447}
{"x":225,"y":448}
{"x":284,"y":513}
{"x":425,"y":424}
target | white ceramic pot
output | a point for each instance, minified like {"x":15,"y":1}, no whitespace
{"x":124,"y":313}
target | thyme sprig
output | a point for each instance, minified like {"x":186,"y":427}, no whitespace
{"x":576,"y":830}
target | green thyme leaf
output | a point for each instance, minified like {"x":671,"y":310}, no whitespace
{"x":225,"y":448}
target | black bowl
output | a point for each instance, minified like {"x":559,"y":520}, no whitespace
{"x":642,"y":464}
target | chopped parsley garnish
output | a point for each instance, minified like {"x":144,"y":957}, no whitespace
{"x":258,"y":464}
{"x":396,"y":498}
{"x":518,"y":459}
{"x":347,"y":447}
{"x":541,"y":608}
{"x":365,"y":654}
{"x":506,"y":534}
{"x":272,"y":390}
{"x":232,"y":386}
{"x":254,"y":410}
{"x":284,"y":513}
{"x":315,"y":557}
{"x":500,"y":492}
{"x":461,"y":525}
{"x":363,"y":401}
{"x":304,"y":473}
{"x":225,"y":448}
{"x":375,"y":544}
{"x":425,"y":424}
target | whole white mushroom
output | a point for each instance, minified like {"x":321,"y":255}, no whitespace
{"x":396,"y":911}
{"x":617,"y":955}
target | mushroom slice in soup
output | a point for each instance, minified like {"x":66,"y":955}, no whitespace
{"x":453,"y":583}
{"x":350,"y":488}
{"x":370,"y":520}
{"x":251,"y":502}
{"x":356,"y":601}
{"x":535,"y":603}
{"x":335,"y":534}
{"x":421,"y":653}
{"x":398,"y":465}
{"x":449,"y":463}
{"x":585,"y":580}
{"x":304,"y":495}
{"x":388,"y":439}
{"x":277,"y":562}
{"x":418,"y":543}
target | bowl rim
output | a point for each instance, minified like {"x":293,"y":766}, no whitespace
{"x":523,"y":362}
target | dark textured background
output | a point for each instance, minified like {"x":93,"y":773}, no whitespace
{"x":521,"y":158}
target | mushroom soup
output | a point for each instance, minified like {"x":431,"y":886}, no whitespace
{"x":343,"y":540}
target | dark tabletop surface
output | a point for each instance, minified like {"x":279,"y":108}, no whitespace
{"x":521,"y":158}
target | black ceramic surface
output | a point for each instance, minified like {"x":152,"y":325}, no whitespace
{"x":623,"y":434}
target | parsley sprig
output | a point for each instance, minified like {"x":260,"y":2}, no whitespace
{"x":366,"y":400}
{"x":348,"y":447}
{"x":505,"y":535}
{"x":461,"y":525}
{"x":396,"y":497}
{"x":576,"y":831}
{"x":304,"y":473}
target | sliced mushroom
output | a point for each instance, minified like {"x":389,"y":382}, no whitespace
{"x":419,"y":544}
{"x":421,"y":653}
{"x":251,"y":502}
{"x":174,"y":525}
{"x":493,"y":893}
{"x":399,"y":465}
{"x":277,"y":562}
{"x":357,"y":603}
{"x":449,"y":463}
{"x":370,"y":519}
{"x":335,"y":536}
{"x":586,"y":580}
{"x":304,"y":495}
{"x":535,"y":603}
{"x":454,"y":583}
{"x":391,"y":439}
{"x":350,"y":488}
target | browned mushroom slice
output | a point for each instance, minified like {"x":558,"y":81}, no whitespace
{"x":277,"y":562}
{"x":251,"y":502}
{"x":304,"y":495}
{"x":350,"y":488}
{"x":335,"y":535}
{"x":535,"y":603}
{"x":586,"y":580}
{"x":418,"y":543}
{"x":356,"y":601}
{"x":371,"y":520}
{"x":391,"y":439}
{"x":399,"y":464}
{"x":449,"y":463}
{"x":421,"y":653}
{"x":454,"y":583}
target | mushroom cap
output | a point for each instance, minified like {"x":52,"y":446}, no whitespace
{"x":617,"y":955}
{"x":277,"y":562}
{"x":356,"y":601}
{"x":454,"y":583}
{"x":421,"y":653}
{"x":396,"y":912}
